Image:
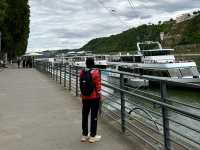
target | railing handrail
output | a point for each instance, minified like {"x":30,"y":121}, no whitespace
{"x":164,"y":105}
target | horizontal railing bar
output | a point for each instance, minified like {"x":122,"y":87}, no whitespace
{"x":144,"y":132}
{"x":149,"y":127}
{"x":185,"y":136}
{"x":137,"y":135}
{"x":184,"y":146}
{"x":186,"y":126}
{"x":159,"y":103}
{"x":140,"y":137}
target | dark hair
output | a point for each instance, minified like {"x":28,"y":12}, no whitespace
{"x":89,"y":62}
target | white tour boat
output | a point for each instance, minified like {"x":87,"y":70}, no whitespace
{"x":157,"y":63}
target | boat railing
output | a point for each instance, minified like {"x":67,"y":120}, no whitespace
{"x":156,"y":119}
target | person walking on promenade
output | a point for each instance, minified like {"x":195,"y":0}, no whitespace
{"x":18,"y":62}
{"x":24,"y":63}
{"x":90,"y":86}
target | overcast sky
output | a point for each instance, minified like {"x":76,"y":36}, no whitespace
{"x":60,"y":24}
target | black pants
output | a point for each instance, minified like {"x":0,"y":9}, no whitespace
{"x":93,"y":106}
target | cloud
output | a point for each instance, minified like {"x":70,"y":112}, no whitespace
{"x":71,"y":24}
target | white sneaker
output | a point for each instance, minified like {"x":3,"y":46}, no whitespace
{"x":97,"y":138}
{"x":84,"y":138}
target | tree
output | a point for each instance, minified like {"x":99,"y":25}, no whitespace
{"x":15,"y":27}
{"x":3,"y":8}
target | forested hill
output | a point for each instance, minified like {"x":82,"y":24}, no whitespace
{"x":14,"y":25}
{"x":184,"y":33}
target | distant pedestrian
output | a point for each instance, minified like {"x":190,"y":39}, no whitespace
{"x":90,"y":86}
{"x":27,"y":63}
{"x":31,"y":63}
{"x":24,"y":63}
{"x":18,"y":62}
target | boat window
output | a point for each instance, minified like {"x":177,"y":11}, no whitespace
{"x":114,"y":59}
{"x":157,"y":53}
{"x":175,"y":73}
{"x":136,"y":70}
{"x":127,"y":59}
{"x":152,"y":72}
{"x":164,"y":73}
{"x":156,"y":73}
{"x":120,"y":68}
{"x":100,"y":58}
{"x":78,"y":59}
{"x":112,"y":67}
{"x":186,"y":72}
{"x":125,"y":69}
{"x":194,"y":71}
{"x":138,"y":59}
{"x":149,"y":46}
{"x":148,"y":72}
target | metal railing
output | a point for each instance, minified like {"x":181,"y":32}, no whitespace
{"x":157,"y":120}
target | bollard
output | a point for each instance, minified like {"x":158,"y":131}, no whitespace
{"x":166,"y":131}
{"x":123,"y":114}
{"x":76,"y":81}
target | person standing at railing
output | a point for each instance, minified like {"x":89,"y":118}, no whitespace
{"x":90,"y":86}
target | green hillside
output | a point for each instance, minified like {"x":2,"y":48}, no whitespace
{"x":14,"y":25}
{"x":176,"y":35}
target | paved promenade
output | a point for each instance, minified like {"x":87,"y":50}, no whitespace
{"x":38,"y":114}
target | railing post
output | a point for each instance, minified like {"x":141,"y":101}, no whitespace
{"x":166,"y":131}
{"x":60,"y":73}
{"x":65,"y":74}
{"x":46,"y":67}
{"x":76,"y":81}
{"x":53,"y":67}
{"x":56,"y":72}
{"x":51,"y":70}
{"x":70,"y":77}
{"x":48,"y":70}
{"x":123,"y":114}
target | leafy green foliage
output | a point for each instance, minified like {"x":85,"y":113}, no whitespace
{"x":192,"y":32}
{"x":125,"y":41}
{"x":3,"y":7}
{"x":14,"y":25}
